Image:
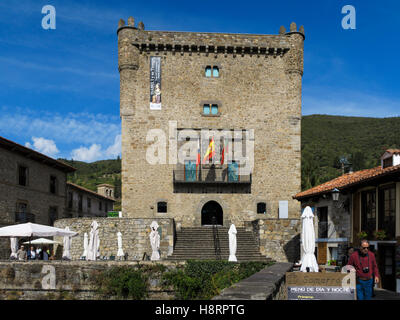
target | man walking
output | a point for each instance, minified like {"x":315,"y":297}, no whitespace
{"x":366,"y":270}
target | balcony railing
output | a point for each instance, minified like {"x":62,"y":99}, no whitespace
{"x":211,"y":175}
{"x":24,"y":217}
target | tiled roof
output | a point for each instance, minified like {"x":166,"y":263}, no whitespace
{"x":393,"y":151}
{"x":347,"y":180}
{"x":89,"y":191}
{"x":34,"y":155}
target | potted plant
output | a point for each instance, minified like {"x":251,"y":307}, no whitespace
{"x":362,"y":235}
{"x":380,"y":234}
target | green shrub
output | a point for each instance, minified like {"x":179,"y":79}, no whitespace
{"x":202,"y":279}
{"x":123,"y":282}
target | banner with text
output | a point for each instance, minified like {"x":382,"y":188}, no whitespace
{"x":155,"y":83}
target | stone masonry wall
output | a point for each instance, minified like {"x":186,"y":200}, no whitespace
{"x":36,"y":195}
{"x":135,"y":236}
{"x":279,"y":239}
{"x":44,"y":280}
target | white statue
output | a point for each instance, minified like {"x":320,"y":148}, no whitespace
{"x":120,"y":253}
{"x":232,"y":243}
{"x":154,"y":241}
{"x":85,"y":245}
{"x":94,"y":242}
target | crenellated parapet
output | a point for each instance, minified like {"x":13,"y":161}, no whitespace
{"x":190,"y":43}
{"x":294,"y":58}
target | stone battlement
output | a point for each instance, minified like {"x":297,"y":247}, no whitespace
{"x":198,"y":42}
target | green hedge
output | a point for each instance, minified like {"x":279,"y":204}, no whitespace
{"x":203,"y":280}
{"x":123,"y":283}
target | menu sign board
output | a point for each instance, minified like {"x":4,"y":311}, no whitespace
{"x":321,"y":286}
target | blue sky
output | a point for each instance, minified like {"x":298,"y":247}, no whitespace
{"x":59,"y":89}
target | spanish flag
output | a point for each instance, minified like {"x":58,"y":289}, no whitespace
{"x":210,"y":150}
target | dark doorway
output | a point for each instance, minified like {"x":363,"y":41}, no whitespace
{"x":211,"y":209}
{"x":387,"y":265}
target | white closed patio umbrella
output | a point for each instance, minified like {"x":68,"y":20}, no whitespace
{"x":94,"y":242}
{"x":120,"y":252}
{"x":308,"y":242}
{"x":85,"y":245}
{"x":66,"y":246}
{"x":14,"y":248}
{"x":232,"y":243}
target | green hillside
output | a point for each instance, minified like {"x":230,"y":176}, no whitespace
{"x":89,"y":175}
{"x":326,"y":140}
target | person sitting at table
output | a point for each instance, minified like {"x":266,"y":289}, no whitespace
{"x":45,"y":255}
{"x":31,"y":253}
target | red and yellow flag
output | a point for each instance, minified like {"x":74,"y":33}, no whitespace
{"x":210,"y":150}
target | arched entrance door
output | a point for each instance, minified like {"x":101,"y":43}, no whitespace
{"x":211,"y":209}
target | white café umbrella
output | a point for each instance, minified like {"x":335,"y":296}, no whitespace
{"x":14,"y":247}
{"x":41,"y":241}
{"x":308,"y":242}
{"x":154,"y":241}
{"x":94,"y":242}
{"x":66,"y":246}
{"x":232,"y":243}
{"x":120,"y":251}
{"x":85,"y":245}
{"x":34,"y":230}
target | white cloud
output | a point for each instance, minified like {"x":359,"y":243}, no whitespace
{"x":72,"y":128}
{"x":95,"y":151}
{"x":45,"y":146}
{"x":115,"y":149}
{"x":87,"y":154}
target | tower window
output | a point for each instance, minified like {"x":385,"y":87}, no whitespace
{"x":208,"y":71}
{"x":212,"y":72}
{"x":215,"y":72}
{"x":162,"y":206}
{"x":210,"y":109}
{"x":261,"y":207}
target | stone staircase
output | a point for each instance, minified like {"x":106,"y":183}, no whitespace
{"x":198,"y":243}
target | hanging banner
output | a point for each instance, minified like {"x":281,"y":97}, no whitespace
{"x":155,"y":83}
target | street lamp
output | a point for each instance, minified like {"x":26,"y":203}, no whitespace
{"x":335,"y":194}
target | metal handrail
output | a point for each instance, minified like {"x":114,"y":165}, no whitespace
{"x":217,"y":247}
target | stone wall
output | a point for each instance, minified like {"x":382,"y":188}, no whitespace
{"x":42,"y":280}
{"x":36,"y":194}
{"x":135,"y":236}
{"x":267,"y":284}
{"x":279,"y":239}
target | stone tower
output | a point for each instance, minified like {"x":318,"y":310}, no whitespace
{"x":106,"y":190}
{"x":246,"y":83}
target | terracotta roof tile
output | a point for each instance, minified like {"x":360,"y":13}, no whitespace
{"x":393,"y":151}
{"x":347,"y":180}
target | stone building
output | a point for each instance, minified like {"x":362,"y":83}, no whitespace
{"x":82,"y":202}
{"x":367,"y":201}
{"x":32,"y":187}
{"x":244,"y":92}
